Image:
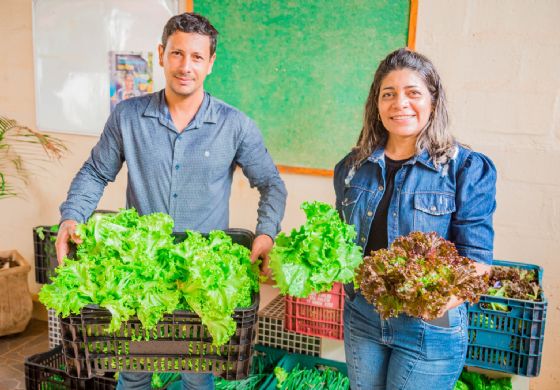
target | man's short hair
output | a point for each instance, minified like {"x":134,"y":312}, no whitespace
{"x":190,"y":22}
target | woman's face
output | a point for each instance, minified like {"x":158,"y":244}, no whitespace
{"x":404,"y":104}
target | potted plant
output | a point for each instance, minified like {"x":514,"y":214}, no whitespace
{"x":21,"y":148}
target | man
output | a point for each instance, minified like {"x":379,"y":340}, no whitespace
{"x":128,"y":90}
{"x":181,"y":146}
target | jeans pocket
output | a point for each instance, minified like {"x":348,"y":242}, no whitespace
{"x":451,"y":324}
{"x":446,"y":342}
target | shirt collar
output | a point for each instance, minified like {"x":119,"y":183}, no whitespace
{"x":157,"y":108}
{"x":378,"y":156}
{"x":425,"y":159}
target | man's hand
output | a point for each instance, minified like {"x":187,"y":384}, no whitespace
{"x":261,"y":248}
{"x":66,"y":232}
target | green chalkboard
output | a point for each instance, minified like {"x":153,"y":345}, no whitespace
{"x":302,"y":69}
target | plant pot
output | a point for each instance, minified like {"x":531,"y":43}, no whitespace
{"x":15,"y":300}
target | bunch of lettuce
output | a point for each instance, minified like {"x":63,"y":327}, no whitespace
{"x":513,"y":282}
{"x":417,"y":276}
{"x":310,"y":378}
{"x":319,"y":253}
{"x":476,"y":381}
{"x":130,"y":265}
{"x":214,"y":277}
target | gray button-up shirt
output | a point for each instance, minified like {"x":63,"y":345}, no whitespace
{"x":185,"y":174}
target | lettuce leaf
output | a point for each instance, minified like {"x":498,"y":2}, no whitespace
{"x":317,"y":254}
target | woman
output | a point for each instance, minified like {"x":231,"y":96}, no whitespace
{"x":407,"y":173}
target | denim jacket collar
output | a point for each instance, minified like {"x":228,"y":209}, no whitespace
{"x":378,"y":156}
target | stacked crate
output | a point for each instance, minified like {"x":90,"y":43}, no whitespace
{"x":272,"y":331}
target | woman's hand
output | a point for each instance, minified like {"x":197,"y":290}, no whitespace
{"x":453,"y":302}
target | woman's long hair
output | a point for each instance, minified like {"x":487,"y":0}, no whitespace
{"x":434,"y":137}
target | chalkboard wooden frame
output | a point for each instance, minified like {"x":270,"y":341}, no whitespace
{"x":189,"y":6}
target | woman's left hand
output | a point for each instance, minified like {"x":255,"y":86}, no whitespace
{"x":451,"y":304}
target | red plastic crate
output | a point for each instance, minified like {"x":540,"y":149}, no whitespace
{"x":319,"y":315}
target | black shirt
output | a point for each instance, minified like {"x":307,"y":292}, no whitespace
{"x":378,"y":232}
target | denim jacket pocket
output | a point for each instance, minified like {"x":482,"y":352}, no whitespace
{"x":351,"y":197}
{"x":432,"y":212}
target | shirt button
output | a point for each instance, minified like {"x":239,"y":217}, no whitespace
{"x":174,"y":195}
{"x":380,"y":188}
{"x":395,"y":215}
{"x":433,"y":208}
{"x":369,"y":213}
{"x":363,"y":239}
{"x":177,"y":166}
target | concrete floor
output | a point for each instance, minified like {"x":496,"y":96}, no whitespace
{"x":15,"y":348}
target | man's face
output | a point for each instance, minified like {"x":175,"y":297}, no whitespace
{"x":129,"y":82}
{"x":186,"y":62}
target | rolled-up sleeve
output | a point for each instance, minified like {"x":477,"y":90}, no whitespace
{"x":258,"y":167}
{"x":103,"y":165}
{"x":472,"y":229}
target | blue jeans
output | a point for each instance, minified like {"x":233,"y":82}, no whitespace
{"x":142,"y":380}
{"x":402,"y":353}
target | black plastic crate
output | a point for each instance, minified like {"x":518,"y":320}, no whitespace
{"x":44,"y":238}
{"x":45,"y":252}
{"x":106,"y":382}
{"x":47,"y":371}
{"x":182,"y":344}
{"x":178,"y":343}
{"x":509,"y":341}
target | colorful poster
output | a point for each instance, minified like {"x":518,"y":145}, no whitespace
{"x":131,"y":75}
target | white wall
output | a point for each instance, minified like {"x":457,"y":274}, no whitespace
{"x":500,"y":64}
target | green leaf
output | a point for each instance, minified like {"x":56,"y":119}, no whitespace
{"x":317,"y":254}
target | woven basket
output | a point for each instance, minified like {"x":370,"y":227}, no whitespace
{"x":15,"y":301}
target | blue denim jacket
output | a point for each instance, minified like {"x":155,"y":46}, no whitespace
{"x":455,"y":200}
